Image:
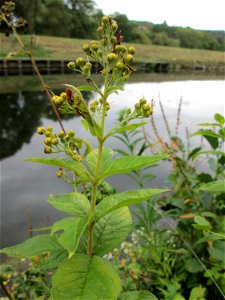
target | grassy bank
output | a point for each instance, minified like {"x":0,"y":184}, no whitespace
{"x":66,"y":48}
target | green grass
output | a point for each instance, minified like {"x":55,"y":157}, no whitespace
{"x":67,"y":48}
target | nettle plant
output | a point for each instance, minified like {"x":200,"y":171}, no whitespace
{"x":74,"y":247}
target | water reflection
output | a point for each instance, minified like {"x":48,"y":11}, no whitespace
{"x":21,"y":114}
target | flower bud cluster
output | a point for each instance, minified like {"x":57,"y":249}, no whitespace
{"x":61,"y":142}
{"x":96,"y":105}
{"x":108,"y":52}
{"x":143,"y":109}
{"x":80,"y":65}
{"x":67,"y":102}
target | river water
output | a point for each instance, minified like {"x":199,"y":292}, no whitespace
{"x":25,"y":186}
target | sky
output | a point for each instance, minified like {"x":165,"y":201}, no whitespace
{"x":198,"y":14}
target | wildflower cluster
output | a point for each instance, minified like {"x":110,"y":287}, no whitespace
{"x":143,"y":109}
{"x":114,"y":58}
{"x":61,"y":142}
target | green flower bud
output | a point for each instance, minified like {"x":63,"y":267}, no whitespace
{"x":47,"y":150}
{"x":54,"y":141}
{"x":123,"y":48}
{"x":71,"y":65}
{"x":113,"y":40}
{"x":142,"y":101}
{"x":120,"y":65}
{"x":131,"y":50}
{"x":92,"y":108}
{"x":66,"y":138}
{"x":105,"y":20}
{"x":80,"y":62}
{"x":63,"y":97}
{"x":117,"y":48}
{"x":146,"y":107}
{"x":59,"y":173}
{"x":99,"y":52}
{"x":128,"y":111}
{"x":111,"y":57}
{"x":114,"y":26}
{"x":86,"y":48}
{"x":48,"y":133}
{"x":40,"y":130}
{"x":61,"y":134}
{"x":94,"y":45}
{"x":137,"y":106}
{"x":104,"y":72}
{"x":50,"y":128}
{"x":100,"y":31}
{"x":48,"y":141}
{"x":71,"y":133}
{"x":128,"y":58}
{"x":55,"y":99}
{"x":87,"y":67}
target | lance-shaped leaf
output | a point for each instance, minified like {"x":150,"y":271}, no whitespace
{"x":72,"y":165}
{"x":214,"y":187}
{"x":137,"y":295}
{"x":92,"y":158}
{"x":73,"y":229}
{"x":85,"y":277}
{"x":116,"y":201}
{"x":111,"y":231}
{"x":129,"y":163}
{"x":37,"y":245}
{"x":74,"y":203}
{"x":124,"y":128}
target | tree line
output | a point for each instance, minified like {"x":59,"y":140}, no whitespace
{"x":79,"y":19}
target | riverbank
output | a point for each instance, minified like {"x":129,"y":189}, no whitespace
{"x":46,"y":47}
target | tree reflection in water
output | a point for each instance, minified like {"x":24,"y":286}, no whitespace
{"x":21,"y":114}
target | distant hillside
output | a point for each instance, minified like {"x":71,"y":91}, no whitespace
{"x":174,"y":36}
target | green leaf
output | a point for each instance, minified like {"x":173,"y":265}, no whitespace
{"x":74,"y":203}
{"x":37,"y":245}
{"x":194,"y":153}
{"x":116,"y":201}
{"x":206,"y":133}
{"x":197,"y":293}
{"x":214,"y":187}
{"x":193,"y":265}
{"x":83,"y":88}
{"x":219,"y":118}
{"x":129,"y":163}
{"x":111,"y":231}
{"x":54,"y":260}
{"x":137,"y":295}
{"x":213,"y":152}
{"x":218,"y":250}
{"x":124,"y":128}
{"x":73,"y":229}
{"x":92,"y":158}
{"x":85,"y":277}
{"x":85,"y":124}
{"x":72,"y":165}
{"x":202,"y":223}
{"x":210,"y":136}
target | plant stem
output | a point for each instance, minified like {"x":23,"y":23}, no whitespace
{"x":93,"y":200}
{"x":95,"y":182}
{"x":8,"y":294}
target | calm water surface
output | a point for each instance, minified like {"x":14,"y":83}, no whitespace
{"x":25,"y":186}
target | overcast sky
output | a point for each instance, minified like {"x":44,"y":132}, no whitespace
{"x":198,"y":14}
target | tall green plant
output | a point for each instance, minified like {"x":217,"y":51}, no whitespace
{"x":74,"y":247}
